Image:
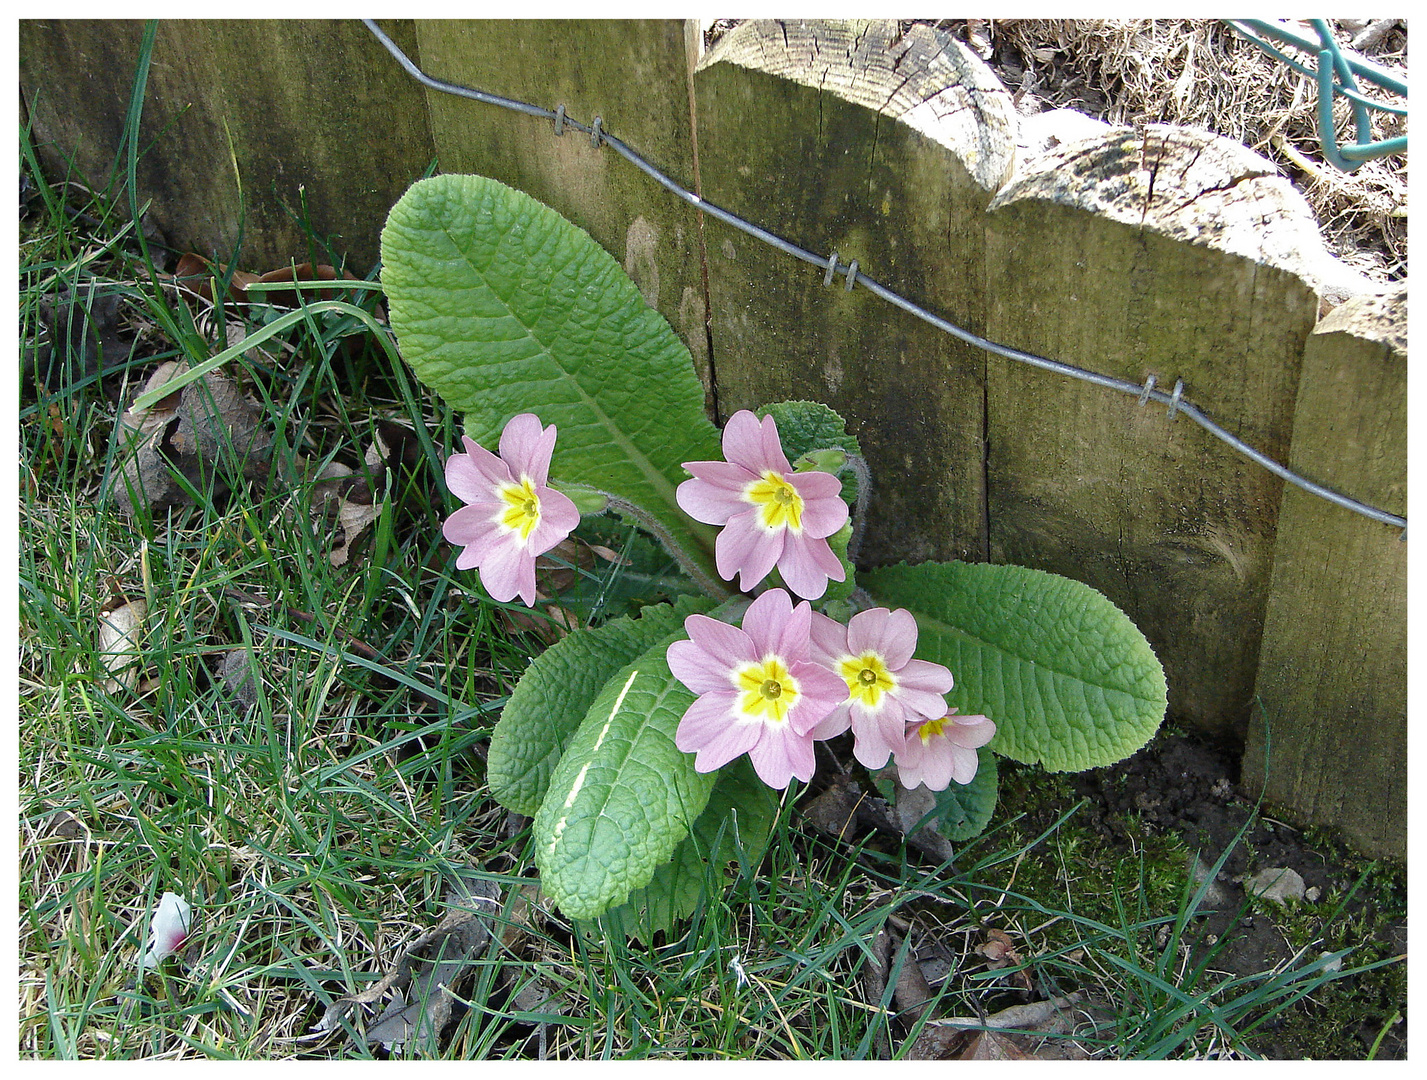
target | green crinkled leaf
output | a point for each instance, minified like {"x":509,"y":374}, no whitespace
{"x":806,"y":426}
{"x":505,"y":307}
{"x":623,"y":795}
{"x":556,"y":692}
{"x":962,"y":810}
{"x":735,"y":824}
{"x":1069,"y":680}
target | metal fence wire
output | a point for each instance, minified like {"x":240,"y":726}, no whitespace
{"x":853,"y":276}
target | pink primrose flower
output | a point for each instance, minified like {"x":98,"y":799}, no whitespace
{"x":886,"y":688}
{"x":510,"y":515}
{"x":759,"y":694}
{"x":939,"y":751}
{"x":771,"y":515}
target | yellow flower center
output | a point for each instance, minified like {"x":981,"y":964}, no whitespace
{"x":779,"y":504}
{"x":931,"y":729}
{"x":522,"y":507}
{"x":867,"y":678}
{"x":768,"y":690}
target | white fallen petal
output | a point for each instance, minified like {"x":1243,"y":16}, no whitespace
{"x":167,"y":928}
{"x":119,"y":633}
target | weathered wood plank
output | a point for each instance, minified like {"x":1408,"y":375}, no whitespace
{"x":1333,"y":670}
{"x":846,"y":137}
{"x":312,"y":110}
{"x":632,"y":74}
{"x":1176,"y":254}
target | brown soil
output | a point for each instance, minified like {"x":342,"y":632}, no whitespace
{"x":1179,"y":786}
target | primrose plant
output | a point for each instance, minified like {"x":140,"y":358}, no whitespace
{"x":654,"y":748}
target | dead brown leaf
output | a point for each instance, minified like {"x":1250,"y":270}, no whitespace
{"x":834,"y":812}
{"x":607,"y":555}
{"x":187,"y":432}
{"x":1038,"y":1026}
{"x":913,"y":805}
{"x":353,"y":518}
{"x":84,"y":335}
{"x":843,"y":810}
{"x":238,"y":673}
{"x":530,"y":989}
{"x":988,"y":1046}
{"x":301,"y":272}
{"x":550,"y":624}
{"x":1000,"y":951}
{"x":63,"y":841}
{"x":418,"y":991}
{"x":195,"y":275}
{"x":560,"y":567}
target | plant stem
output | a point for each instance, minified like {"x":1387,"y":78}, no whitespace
{"x":713,"y":587}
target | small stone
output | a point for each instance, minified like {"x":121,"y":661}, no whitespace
{"x":1313,"y":894}
{"x":1278,"y":883}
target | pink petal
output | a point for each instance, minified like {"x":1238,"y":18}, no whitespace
{"x":892,"y":635}
{"x":508,"y":571}
{"x":526,"y":447}
{"x":476,"y":473}
{"x":866,"y":630}
{"x":701,"y":672}
{"x":469,"y":525}
{"x":792,"y":643}
{"x":558,"y":518}
{"x":918,"y":764}
{"x":726,"y":645}
{"x":168,"y":928}
{"x":868,"y":748}
{"x":778,"y":757}
{"x":822,"y":690}
{"x":747,"y":549}
{"x":743,"y":442}
{"x":972,"y":736}
{"x":824,"y":512}
{"x":711,"y":730}
{"x":923,"y":703}
{"x":705,"y":502}
{"x":833,"y":724}
{"x":692,"y":666}
{"x":706,"y":719}
{"x":725,"y":475}
{"x":828,"y":640}
{"x":924,"y":675}
{"x":878,"y":734}
{"x":963,"y":766}
{"x":764,"y":620}
{"x":807,"y":564}
{"x":772,"y":447}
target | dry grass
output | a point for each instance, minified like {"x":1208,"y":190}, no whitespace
{"x":1199,"y":73}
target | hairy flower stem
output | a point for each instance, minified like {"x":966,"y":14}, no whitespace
{"x":647,"y":521}
{"x":858,"y":466}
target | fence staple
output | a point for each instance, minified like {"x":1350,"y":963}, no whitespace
{"x":600,"y":136}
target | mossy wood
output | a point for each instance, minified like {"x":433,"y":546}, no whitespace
{"x":1332,"y":736}
{"x":886,"y":148}
{"x":633,"y":74}
{"x":1175,"y":254}
{"x":248,"y":124}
